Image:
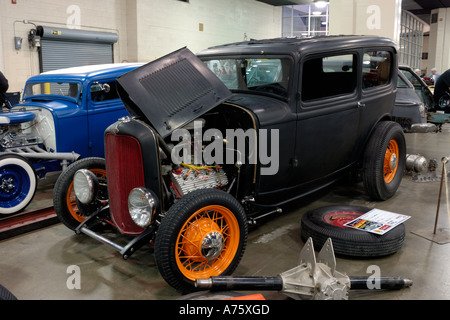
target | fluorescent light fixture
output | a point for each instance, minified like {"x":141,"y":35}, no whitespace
{"x":320,"y":4}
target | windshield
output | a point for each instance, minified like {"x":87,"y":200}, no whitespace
{"x":257,"y":74}
{"x":65,"y":89}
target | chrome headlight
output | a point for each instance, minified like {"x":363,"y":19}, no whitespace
{"x":142,"y":204}
{"x":85,"y":185}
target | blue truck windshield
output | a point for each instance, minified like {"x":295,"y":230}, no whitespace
{"x":64,"y":89}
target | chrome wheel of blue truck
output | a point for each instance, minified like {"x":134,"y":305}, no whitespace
{"x":17,"y":183}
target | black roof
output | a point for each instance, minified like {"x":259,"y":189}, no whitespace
{"x":294,"y":44}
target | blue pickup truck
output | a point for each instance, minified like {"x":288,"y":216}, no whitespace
{"x":62,"y":117}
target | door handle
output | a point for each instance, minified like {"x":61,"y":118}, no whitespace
{"x":361,"y":105}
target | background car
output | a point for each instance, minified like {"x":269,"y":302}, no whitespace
{"x":420,"y":87}
{"x":408,"y":109}
{"x":62,"y":117}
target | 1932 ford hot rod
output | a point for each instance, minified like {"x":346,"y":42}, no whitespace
{"x":181,"y":171}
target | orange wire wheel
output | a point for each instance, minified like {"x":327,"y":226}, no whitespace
{"x":207,"y":243}
{"x":391,"y":161}
{"x":64,"y":199}
{"x":203,"y":234}
{"x":71,"y":198}
{"x":384,"y":160}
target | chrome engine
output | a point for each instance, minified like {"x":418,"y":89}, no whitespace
{"x":32,"y":139}
{"x":188,"y":179}
{"x":12,"y":136}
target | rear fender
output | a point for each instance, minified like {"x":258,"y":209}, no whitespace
{"x":360,"y":152}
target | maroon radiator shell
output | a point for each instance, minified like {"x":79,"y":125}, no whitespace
{"x":124,"y":172}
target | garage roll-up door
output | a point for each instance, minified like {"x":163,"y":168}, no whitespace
{"x":64,"y":48}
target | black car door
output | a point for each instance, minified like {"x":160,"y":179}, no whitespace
{"x":379,"y":86}
{"x":327,"y":115}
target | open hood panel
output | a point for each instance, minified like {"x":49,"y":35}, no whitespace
{"x":171,"y":91}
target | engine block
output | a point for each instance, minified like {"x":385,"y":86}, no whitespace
{"x":188,"y":179}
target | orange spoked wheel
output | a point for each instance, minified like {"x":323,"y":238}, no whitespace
{"x":207,"y":242}
{"x":384,"y":160}
{"x":64,"y":199}
{"x":71,"y":199}
{"x":391,"y":161}
{"x":203,"y":234}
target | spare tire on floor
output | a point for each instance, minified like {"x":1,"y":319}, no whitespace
{"x":328,"y":222}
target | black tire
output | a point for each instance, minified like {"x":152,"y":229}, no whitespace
{"x":182,"y":220}
{"x":18,"y":183}
{"x":347,"y":241}
{"x":381,"y":183}
{"x":5,"y":294}
{"x":67,"y":211}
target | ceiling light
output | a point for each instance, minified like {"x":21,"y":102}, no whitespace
{"x":320,"y":4}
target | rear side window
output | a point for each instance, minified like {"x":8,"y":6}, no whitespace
{"x":104,"y":91}
{"x":376,"y":68}
{"x":328,"y":76}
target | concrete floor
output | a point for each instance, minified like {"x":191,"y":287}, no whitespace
{"x":36,"y":265}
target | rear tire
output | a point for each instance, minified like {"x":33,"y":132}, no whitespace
{"x":384,"y":161}
{"x":64,"y":199}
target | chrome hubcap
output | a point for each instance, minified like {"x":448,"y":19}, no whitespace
{"x":212,"y":245}
{"x":393,"y":161}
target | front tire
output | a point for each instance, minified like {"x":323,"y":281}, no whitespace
{"x":203,"y":234}
{"x":18,"y":183}
{"x":384,"y":161}
{"x":64,"y":199}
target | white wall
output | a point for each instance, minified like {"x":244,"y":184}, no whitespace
{"x":366,"y":17}
{"x":147,"y":29}
{"x":164,"y":26}
{"x":18,"y":65}
{"x":439,"y":49}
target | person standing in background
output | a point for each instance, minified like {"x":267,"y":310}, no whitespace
{"x":434,"y":75}
{"x":3,"y":88}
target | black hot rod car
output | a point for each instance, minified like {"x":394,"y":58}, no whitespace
{"x":219,"y":138}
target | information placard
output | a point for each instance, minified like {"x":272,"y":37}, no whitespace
{"x":377,"y":221}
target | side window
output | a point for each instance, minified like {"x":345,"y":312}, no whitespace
{"x":376,"y":68}
{"x":104,"y":91}
{"x":411,"y":78}
{"x":401,"y":83}
{"x":328,"y":76}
